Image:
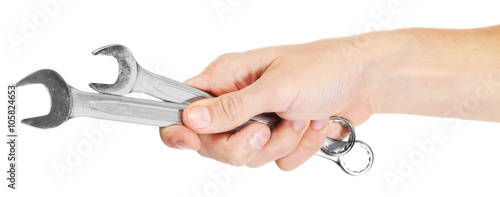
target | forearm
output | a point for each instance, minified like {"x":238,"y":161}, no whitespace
{"x":444,"y":73}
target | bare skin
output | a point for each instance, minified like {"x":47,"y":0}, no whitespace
{"x":431,"y":72}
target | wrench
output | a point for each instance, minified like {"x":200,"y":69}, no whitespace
{"x":133,"y":78}
{"x":68,"y":102}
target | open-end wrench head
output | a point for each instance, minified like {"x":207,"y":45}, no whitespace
{"x":127,"y":74}
{"x":59,"y":91}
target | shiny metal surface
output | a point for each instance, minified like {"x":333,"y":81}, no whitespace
{"x":133,"y":78}
{"x":68,"y":102}
{"x":339,"y":160}
{"x":335,"y":150}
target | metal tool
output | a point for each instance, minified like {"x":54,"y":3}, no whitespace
{"x":68,"y":102}
{"x":335,"y":150}
{"x":133,"y":78}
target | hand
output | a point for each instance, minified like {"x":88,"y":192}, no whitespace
{"x":304,"y":84}
{"x":431,"y":72}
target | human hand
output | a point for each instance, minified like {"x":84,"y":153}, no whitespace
{"x":304,"y":84}
{"x":431,"y":72}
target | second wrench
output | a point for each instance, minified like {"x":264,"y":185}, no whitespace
{"x":133,"y":78}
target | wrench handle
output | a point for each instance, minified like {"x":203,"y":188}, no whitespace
{"x":126,"y":109}
{"x":166,"y":89}
{"x":271,"y":119}
{"x":140,"y":111}
{"x":170,"y":90}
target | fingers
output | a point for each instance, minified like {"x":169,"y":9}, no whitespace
{"x":180,"y":137}
{"x":310,"y":143}
{"x":233,"y":71}
{"x":290,"y":145}
{"x":226,"y":112}
{"x":337,"y":131}
{"x":284,"y":140}
{"x":232,"y":76}
{"x":237,"y":148}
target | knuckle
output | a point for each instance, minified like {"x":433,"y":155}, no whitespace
{"x":231,"y":106}
{"x":237,"y":160}
{"x":308,"y":144}
{"x":253,"y":165}
{"x":227,"y":56}
{"x":202,"y":153}
{"x":205,"y":153}
{"x":284,"y":149}
{"x":239,"y":157}
{"x":224,"y":59}
{"x":287,"y":145}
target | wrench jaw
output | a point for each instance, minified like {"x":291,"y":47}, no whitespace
{"x":59,"y":90}
{"x":127,"y":70}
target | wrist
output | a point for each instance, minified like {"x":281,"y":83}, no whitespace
{"x":386,"y":68}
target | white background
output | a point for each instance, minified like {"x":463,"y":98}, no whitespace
{"x":178,"y":39}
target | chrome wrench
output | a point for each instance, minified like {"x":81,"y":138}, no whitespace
{"x":133,"y":78}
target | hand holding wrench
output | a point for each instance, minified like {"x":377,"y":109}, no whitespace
{"x":133,"y":78}
{"x":68,"y":102}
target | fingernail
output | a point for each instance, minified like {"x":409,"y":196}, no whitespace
{"x":182,"y":145}
{"x":318,"y":124}
{"x":257,"y":140}
{"x":199,"y":117}
{"x":299,"y":124}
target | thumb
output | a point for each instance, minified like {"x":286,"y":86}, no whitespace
{"x":226,"y":112}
